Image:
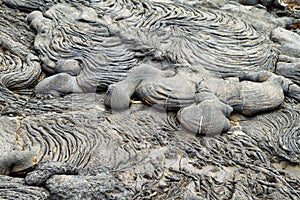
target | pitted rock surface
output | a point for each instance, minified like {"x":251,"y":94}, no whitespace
{"x":58,"y":140}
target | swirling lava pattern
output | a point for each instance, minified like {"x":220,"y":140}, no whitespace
{"x":113,"y":36}
{"x":19,"y":68}
{"x":84,"y":136}
{"x":11,"y":188}
{"x":140,"y":153}
{"x":218,"y":42}
{"x":283,"y":128}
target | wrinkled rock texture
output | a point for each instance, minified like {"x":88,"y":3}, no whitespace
{"x":66,"y":144}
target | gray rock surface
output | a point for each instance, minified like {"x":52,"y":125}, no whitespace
{"x":66,"y":145}
{"x":287,"y":40}
{"x":15,"y":188}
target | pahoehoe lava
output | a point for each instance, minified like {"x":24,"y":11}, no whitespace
{"x":59,"y":140}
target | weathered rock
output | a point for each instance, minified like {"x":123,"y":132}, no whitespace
{"x":102,"y":186}
{"x":286,"y":147}
{"x":287,"y":40}
{"x":155,"y":156}
{"x":20,"y":69}
{"x":45,"y":170}
{"x":129,"y":40}
{"x":205,"y":3}
{"x":15,"y":188}
{"x":142,"y":152}
{"x":258,"y":17}
{"x":289,"y":67}
{"x":214,"y":98}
